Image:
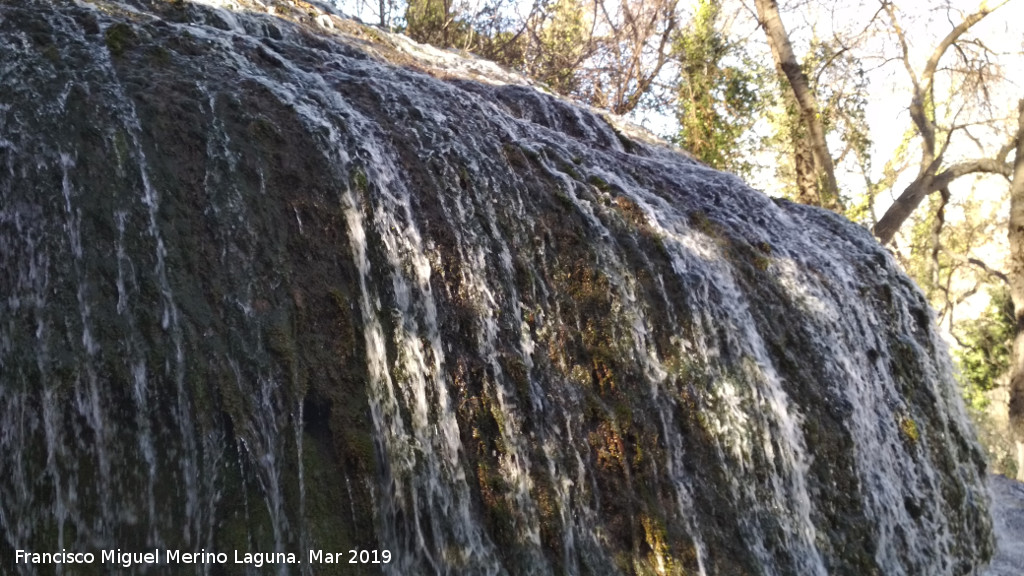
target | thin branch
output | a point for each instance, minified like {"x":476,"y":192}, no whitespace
{"x":959,"y":30}
{"x":977,"y":263}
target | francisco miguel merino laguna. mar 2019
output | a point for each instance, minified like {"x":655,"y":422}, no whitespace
{"x":128,"y":559}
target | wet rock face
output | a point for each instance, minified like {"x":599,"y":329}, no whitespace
{"x":264,"y":292}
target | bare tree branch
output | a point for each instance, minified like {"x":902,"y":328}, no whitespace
{"x":922,"y":112}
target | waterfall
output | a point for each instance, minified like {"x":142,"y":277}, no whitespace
{"x":274,"y":282}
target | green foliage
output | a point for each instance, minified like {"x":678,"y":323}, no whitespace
{"x":942,"y":239}
{"x":927,"y":269}
{"x":438,"y":22}
{"x":838,"y":80}
{"x":560,"y":47}
{"x":985,"y":352}
{"x":504,"y":47}
{"x":861,"y":208}
{"x":549,"y":47}
{"x":718,"y":92}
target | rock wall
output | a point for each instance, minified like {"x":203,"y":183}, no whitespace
{"x":272,"y":287}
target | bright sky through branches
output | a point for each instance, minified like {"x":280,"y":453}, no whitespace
{"x":867,"y":33}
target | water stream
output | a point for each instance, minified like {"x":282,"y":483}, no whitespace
{"x":273,"y":283}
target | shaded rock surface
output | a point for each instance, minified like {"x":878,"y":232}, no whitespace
{"x":1008,"y":522}
{"x":261,"y":290}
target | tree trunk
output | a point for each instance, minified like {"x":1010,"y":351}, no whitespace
{"x":825,"y":188}
{"x":1016,"y":237}
{"x":890,"y":222}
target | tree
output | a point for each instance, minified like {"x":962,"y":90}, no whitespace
{"x":1016,"y":277}
{"x":717,"y":90}
{"x":815,"y":170}
{"x":608,"y":54}
{"x":480,"y":26}
{"x":432,"y":22}
{"x":633,"y":44}
{"x":934,"y":174}
{"x":561,"y":39}
{"x":985,"y":347}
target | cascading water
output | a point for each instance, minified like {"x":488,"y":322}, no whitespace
{"x":274,"y":283}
